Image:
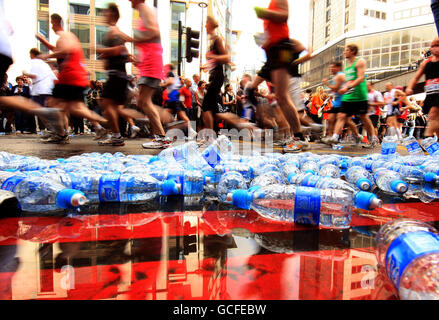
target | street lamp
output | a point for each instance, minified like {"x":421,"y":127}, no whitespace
{"x":202,"y":5}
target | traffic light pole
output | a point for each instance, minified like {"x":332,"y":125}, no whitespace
{"x":180,"y":45}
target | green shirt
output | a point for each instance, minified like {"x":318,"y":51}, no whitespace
{"x":359,"y":93}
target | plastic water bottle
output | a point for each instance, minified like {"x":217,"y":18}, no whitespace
{"x":310,"y":167}
{"x":330,"y":170}
{"x":229,"y":182}
{"x":408,"y":173}
{"x":267,"y":179}
{"x":409,"y":252}
{"x":359,"y":177}
{"x":191,"y":181}
{"x":312,"y":181}
{"x":413,"y":147}
{"x":431,"y":146}
{"x":289,"y":171}
{"x":117,"y":187}
{"x":218,"y":151}
{"x":325,"y":207}
{"x":390,"y":181}
{"x":37,"y":194}
{"x":388,"y":147}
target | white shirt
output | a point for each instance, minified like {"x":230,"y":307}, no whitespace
{"x":5,"y":33}
{"x":44,"y":82}
{"x":374,"y":96}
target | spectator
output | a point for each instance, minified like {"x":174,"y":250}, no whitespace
{"x":229,"y":99}
{"x":23,"y":122}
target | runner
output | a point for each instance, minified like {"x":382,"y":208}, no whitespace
{"x":51,"y":117}
{"x":69,"y":91}
{"x":354,"y":100}
{"x":393,"y":112}
{"x":376,"y":102}
{"x":150,"y":64}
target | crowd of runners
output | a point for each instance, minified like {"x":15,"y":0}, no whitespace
{"x":55,"y":97}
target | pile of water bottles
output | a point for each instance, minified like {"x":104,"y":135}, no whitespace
{"x":303,"y":188}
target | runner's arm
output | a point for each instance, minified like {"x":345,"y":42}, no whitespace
{"x":415,"y":79}
{"x":45,"y":42}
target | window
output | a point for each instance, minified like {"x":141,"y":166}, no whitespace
{"x":178,"y":14}
{"x":100,"y":6}
{"x":100,"y":76}
{"x":80,"y":7}
{"x":43,"y":28}
{"x":346,"y":18}
{"x":328,"y":15}
{"x":43,"y":5}
{"x":82,"y":31}
{"x":100,"y":32}
{"x":327,"y":32}
{"x":328,"y":3}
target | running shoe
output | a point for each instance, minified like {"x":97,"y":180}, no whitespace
{"x":52,"y":119}
{"x":115,"y":142}
{"x":330,"y":141}
{"x":375,"y":142}
{"x":134,"y":131}
{"x":57,"y":139}
{"x":358,"y":140}
{"x":158,"y":143}
{"x":100,"y":133}
{"x":297,"y":146}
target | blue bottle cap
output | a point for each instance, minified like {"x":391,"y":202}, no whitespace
{"x":170,"y":187}
{"x":364,"y":184}
{"x":153,"y":159}
{"x":254,"y":189}
{"x":242,"y":199}
{"x":290,"y":176}
{"x":70,"y":198}
{"x":367,"y":201}
{"x":310,"y":171}
{"x":429,"y":176}
{"x":399,"y":186}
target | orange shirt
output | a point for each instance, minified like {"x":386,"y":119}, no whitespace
{"x":327,"y":108}
{"x":316,"y":103}
{"x":275,"y":31}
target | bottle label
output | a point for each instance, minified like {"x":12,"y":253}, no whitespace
{"x":307,"y":206}
{"x":310,"y":181}
{"x":11,"y":183}
{"x":433,"y":148}
{"x":212,"y":156}
{"x":406,"y":248}
{"x":413,"y":147}
{"x":109,"y":186}
{"x":388,"y":148}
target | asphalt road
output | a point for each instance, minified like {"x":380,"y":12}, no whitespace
{"x":29,"y":145}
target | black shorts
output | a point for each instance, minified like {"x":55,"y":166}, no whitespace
{"x":279,"y":56}
{"x":69,"y":93}
{"x":175,"y":106}
{"x":431,"y":100}
{"x":115,"y":89}
{"x":315,"y":118}
{"x":5,"y":63}
{"x":333,"y":110}
{"x":351,"y":108}
{"x":375,"y":120}
{"x":216,"y":81}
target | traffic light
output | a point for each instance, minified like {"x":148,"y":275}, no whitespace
{"x":192,"y":44}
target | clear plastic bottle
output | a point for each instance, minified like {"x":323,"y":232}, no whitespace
{"x":310,"y":167}
{"x":330,"y":170}
{"x":229,"y":182}
{"x":267,"y":179}
{"x":413,"y":147}
{"x":408,"y":173}
{"x":288,"y":203}
{"x":117,"y":187}
{"x":221,"y":149}
{"x":409,"y":251}
{"x":38,"y":194}
{"x":289,"y":171}
{"x":388,"y":147}
{"x":431,"y":145}
{"x":390,"y":181}
{"x":312,"y":181}
{"x":359,"y":177}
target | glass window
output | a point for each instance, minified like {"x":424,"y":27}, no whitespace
{"x":100,"y":76}
{"x":80,"y":7}
{"x":376,"y":41}
{"x":82,"y":31}
{"x":406,"y":36}
{"x":43,"y":28}
{"x":386,"y":39}
{"x":385,"y":60}
{"x":396,"y":38}
{"x":174,"y":51}
{"x":100,"y":6}
{"x":384,"y":50}
{"x":405,"y":57}
{"x":100,"y":32}
{"x":178,"y":14}
{"x":368,"y":43}
{"x":376,"y":61}
{"x":394,"y":59}
{"x":43,"y":5}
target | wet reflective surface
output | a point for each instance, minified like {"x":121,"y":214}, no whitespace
{"x":195,"y":250}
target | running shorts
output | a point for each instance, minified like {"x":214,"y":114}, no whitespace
{"x":69,"y":93}
{"x":351,"y":108}
{"x":115,"y":89}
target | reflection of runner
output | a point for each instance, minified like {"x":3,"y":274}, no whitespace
{"x":51,"y":117}
{"x":69,"y":91}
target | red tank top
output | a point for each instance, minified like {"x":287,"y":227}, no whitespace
{"x":73,"y":72}
{"x":275,"y":31}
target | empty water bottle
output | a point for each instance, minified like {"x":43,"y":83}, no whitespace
{"x":325,"y":207}
{"x":229,"y":182}
{"x":431,"y":145}
{"x":37,"y":194}
{"x":359,"y":177}
{"x":330,"y":170}
{"x":289,"y":171}
{"x":390,"y":181}
{"x":413,"y":147}
{"x":310,"y":167}
{"x":267,"y":179}
{"x":409,"y":252}
{"x":310,"y":180}
{"x":218,"y":151}
{"x":388,"y":147}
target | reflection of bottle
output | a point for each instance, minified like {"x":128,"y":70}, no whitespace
{"x":409,"y":251}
